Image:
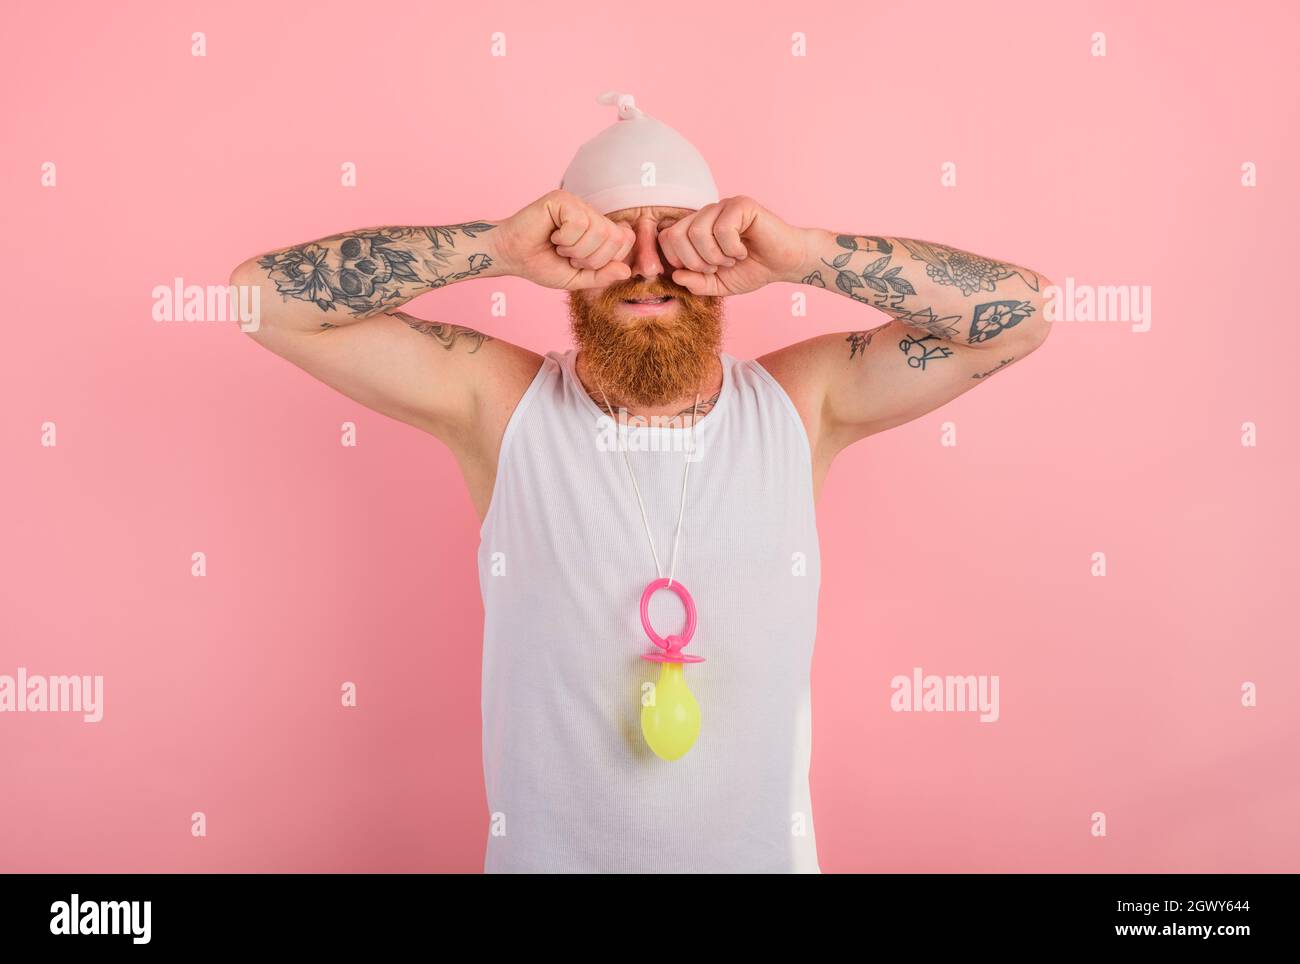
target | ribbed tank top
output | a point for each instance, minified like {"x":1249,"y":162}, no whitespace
{"x":572,"y":786}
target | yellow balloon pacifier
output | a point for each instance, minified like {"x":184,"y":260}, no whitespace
{"x":670,"y":722}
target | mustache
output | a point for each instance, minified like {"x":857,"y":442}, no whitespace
{"x":640,"y":289}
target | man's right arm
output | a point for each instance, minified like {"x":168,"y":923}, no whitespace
{"x":333,"y":308}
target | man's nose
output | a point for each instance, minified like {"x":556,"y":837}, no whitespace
{"x":645,"y":258}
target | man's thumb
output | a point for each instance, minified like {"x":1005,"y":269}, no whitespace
{"x":693,"y":281}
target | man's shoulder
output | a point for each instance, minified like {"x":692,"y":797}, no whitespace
{"x":512,"y":369}
{"x":803,"y":371}
{"x":499,"y":387}
{"x":800,"y":369}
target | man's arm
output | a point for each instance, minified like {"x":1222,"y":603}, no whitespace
{"x":958,"y":319}
{"x":333,"y":308}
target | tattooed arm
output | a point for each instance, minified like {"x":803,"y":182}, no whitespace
{"x":333,"y":308}
{"x":957,"y":319}
{"x":353,"y":276}
{"x":947,"y":294}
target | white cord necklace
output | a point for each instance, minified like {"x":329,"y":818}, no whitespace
{"x":670,"y":721}
{"x":686,"y":473}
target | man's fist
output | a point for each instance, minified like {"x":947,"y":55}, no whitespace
{"x":560,"y":241}
{"x":732,"y":247}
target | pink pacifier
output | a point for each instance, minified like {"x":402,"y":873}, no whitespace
{"x":672,"y":646}
{"x":670,"y":715}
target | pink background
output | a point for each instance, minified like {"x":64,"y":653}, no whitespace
{"x":1119,"y":694}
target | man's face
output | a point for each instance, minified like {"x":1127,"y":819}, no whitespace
{"x":646,"y":354}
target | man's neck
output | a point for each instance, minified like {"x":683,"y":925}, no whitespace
{"x":674,"y":412}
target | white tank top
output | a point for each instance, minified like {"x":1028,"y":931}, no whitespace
{"x":571,"y":784}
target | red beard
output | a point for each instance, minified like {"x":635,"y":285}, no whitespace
{"x":646,"y":360}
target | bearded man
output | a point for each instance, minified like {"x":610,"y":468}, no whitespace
{"x":644,"y":483}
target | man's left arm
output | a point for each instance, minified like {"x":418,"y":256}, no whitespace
{"x":957,"y":318}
